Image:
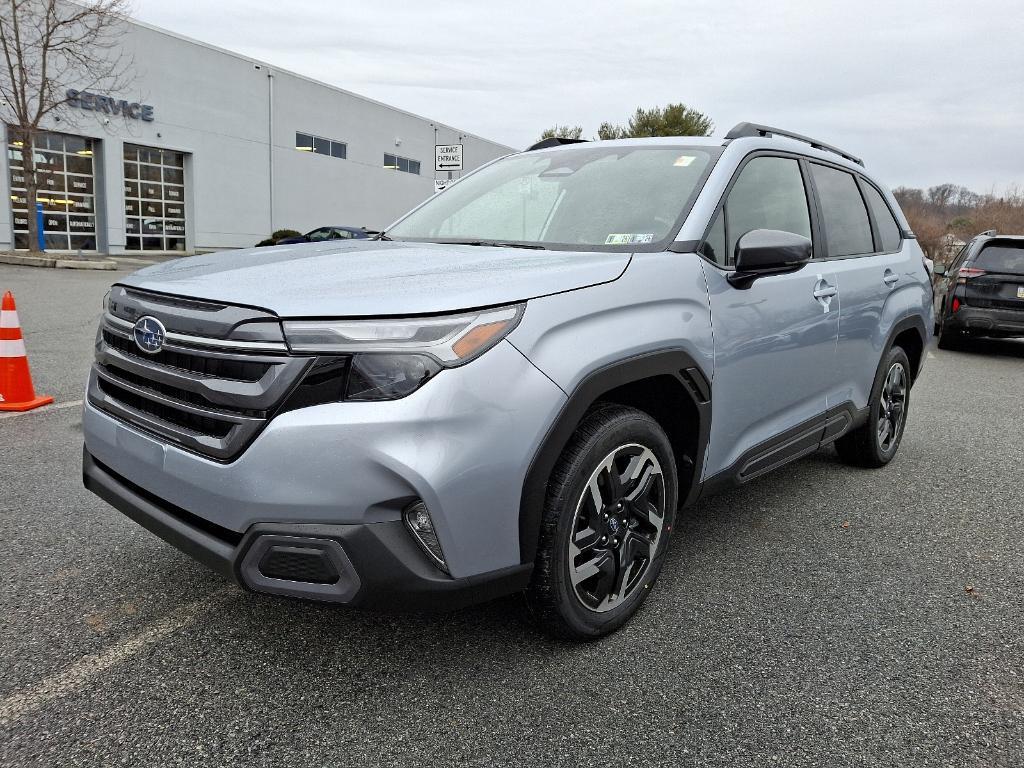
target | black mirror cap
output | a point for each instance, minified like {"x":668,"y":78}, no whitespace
{"x":770,"y":250}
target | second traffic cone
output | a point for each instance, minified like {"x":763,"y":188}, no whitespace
{"x":16,"y":392}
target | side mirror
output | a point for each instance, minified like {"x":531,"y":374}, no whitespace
{"x":939,"y":269}
{"x":763,"y":252}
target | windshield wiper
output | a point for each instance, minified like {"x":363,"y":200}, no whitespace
{"x":381,"y":236}
{"x":494,"y":244}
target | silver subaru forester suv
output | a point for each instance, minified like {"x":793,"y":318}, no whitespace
{"x":520,"y":384}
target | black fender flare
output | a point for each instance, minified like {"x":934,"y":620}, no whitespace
{"x":676,"y":363}
{"x":914,"y":322}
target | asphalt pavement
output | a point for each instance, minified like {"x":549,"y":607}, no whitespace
{"x":822,"y":616}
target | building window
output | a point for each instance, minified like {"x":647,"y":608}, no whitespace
{"x":65,"y":186}
{"x":154,"y":199}
{"x":403,"y":164}
{"x":321,"y":146}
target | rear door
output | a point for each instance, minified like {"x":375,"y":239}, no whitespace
{"x":872,"y":263}
{"x":1000,"y":284}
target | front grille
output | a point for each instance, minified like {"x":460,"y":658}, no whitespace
{"x":177,"y":393}
{"x":204,"y":365}
{"x":206,"y":395}
{"x":200,"y":425}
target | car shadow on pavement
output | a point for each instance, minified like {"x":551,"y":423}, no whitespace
{"x":996,"y":347}
{"x":731,"y":519}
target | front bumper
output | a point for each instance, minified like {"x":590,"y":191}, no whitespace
{"x":462,"y":444}
{"x":986,"y":321}
{"x":377,"y":564}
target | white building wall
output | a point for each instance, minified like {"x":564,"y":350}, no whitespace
{"x":216,"y":106}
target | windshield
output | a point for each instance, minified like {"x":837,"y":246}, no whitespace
{"x":580,"y":198}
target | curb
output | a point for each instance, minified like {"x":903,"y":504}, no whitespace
{"x":53,"y":262}
{"x":84,"y":264}
{"x":27,"y":261}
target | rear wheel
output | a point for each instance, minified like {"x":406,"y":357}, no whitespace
{"x":607,"y":520}
{"x":875,"y":443}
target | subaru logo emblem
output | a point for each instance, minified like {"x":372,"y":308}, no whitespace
{"x":149,"y":335}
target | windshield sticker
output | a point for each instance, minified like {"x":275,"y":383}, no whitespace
{"x":626,"y":239}
{"x":684,"y":160}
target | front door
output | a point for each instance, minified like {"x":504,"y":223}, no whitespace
{"x":775,"y":341}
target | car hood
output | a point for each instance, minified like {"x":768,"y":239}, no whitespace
{"x":374,"y":278}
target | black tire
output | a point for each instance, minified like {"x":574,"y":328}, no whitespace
{"x":562,"y":604}
{"x":865,"y":446}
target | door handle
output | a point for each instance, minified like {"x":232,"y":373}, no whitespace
{"x":890,"y":278}
{"x":823,"y":292}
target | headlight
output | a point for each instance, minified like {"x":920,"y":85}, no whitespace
{"x":450,"y":339}
{"x":388,"y":377}
{"x":390,"y":358}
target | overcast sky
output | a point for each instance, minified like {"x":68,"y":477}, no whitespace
{"x":926,"y":92}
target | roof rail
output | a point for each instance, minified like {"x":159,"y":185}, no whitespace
{"x":554,"y":141}
{"x":753,"y":129}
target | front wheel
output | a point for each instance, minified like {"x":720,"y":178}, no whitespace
{"x":607,"y":520}
{"x":874,"y":444}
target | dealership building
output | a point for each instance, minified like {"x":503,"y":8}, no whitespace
{"x":212,"y":150}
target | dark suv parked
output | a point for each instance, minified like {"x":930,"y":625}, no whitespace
{"x":981,"y":293}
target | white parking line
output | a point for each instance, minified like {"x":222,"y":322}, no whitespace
{"x":44,"y":409}
{"x":75,"y":677}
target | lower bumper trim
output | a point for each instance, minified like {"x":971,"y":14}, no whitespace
{"x":380,"y":566}
{"x":157,"y":518}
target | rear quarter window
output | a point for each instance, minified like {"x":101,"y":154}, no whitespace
{"x":1002,"y":258}
{"x":888,"y":229}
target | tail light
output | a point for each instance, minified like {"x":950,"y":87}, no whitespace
{"x":956,"y":304}
{"x":966,"y":273}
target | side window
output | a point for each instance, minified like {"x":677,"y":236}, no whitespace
{"x":959,"y":258}
{"x":769,"y":194}
{"x":847,"y":227}
{"x":888,"y":229}
{"x":714,"y":243}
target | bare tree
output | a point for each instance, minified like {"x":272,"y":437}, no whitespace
{"x":946,"y":210}
{"x":941,"y":195}
{"x":48,"y":46}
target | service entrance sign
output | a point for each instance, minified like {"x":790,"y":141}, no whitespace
{"x":447,"y":157}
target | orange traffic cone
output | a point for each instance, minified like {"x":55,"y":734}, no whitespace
{"x":16,"y":392}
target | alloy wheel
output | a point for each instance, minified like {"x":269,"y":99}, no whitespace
{"x":892,"y":407}
{"x":618,"y":523}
